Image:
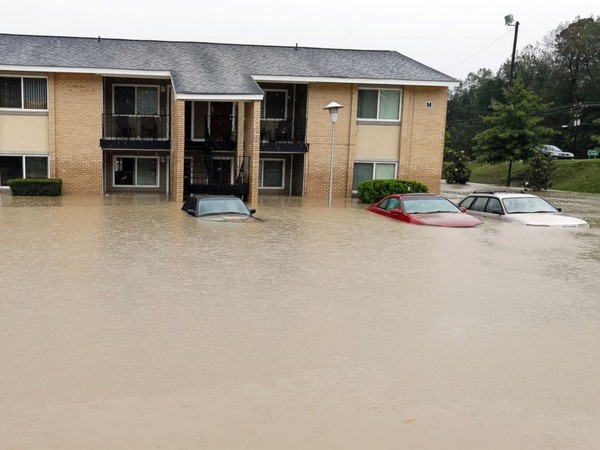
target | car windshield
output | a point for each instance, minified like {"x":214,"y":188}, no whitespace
{"x":524,"y":205}
{"x":425,"y":205}
{"x":209,"y":206}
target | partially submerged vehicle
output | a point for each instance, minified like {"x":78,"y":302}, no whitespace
{"x":518,"y":207}
{"x":220,"y":208}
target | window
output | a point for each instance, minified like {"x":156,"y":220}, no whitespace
{"x":24,"y":93}
{"x":479,"y":204}
{"x":379,"y":104}
{"x":135,"y":100}
{"x":17,"y":166}
{"x":135,"y":171}
{"x":274,"y":105}
{"x":493,"y":206}
{"x":364,"y":171}
{"x":393,"y":203}
{"x":271,"y":173}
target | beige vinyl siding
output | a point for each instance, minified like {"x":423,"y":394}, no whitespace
{"x":24,"y":133}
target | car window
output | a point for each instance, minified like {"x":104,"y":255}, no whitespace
{"x":493,"y":206}
{"x":392,"y":203}
{"x":467,"y":202}
{"x":479,"y":204}
{"x":520,"y":205}
{"x":383,"y":204}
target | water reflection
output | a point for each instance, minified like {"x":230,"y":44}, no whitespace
{"x":126,"y":323}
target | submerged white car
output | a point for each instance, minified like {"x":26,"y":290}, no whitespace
{"x":526,"y":209}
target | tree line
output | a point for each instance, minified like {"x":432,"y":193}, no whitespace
{"x":554,"y":99}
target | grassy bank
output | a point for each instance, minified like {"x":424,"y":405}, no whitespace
{"x":582,"y":175}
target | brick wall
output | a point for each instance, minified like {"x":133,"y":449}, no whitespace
{"x":421,"y":142}
{"x":252,"y":146}
{"x":74,"y":131}
{"x":319,"y":135}
{"x":177,"y":149}
{"x":422,"y":135}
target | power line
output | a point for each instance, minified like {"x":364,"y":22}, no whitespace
{"x":477,"y":53}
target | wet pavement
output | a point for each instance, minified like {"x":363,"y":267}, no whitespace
{"x":126,"y":323}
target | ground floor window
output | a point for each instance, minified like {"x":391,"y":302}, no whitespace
{"x":271,"y":173}
{"x":364,"y":171}
{"x":136,"y":171}
{"x":22,"y":167}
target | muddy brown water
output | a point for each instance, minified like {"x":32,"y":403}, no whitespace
{"x":126,"y":323}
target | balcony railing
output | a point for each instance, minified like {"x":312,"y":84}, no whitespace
{"x":136,"y":127}
{"x":217,"y":175}
{"x":291,"y":131}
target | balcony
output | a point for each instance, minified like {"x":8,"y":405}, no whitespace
{"x":283,"y":135}
{"x":135,"y":131}
{"x":214,"y":132}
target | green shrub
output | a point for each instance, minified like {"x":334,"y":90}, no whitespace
{"x":457,"y":172}
{"x":372,"y":191}
{"x":539,"y":172}
{"x":36,"y":186}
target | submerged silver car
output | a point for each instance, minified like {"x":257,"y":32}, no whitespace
{"x":526,"y":209}
{"x":220,"y":208}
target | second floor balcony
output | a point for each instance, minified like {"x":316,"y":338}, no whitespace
{"x":136,"y":131}
{"x":283,"y":134}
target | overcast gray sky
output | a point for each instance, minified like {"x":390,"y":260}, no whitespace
{"x":455,"y":37}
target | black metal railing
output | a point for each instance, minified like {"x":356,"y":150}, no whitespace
{"x":136,"y":127}
{"x":216,"y":175}
{"x":283,"y":130}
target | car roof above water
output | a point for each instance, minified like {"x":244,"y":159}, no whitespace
{"x":502,"y":194}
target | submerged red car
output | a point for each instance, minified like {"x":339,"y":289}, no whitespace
{"x":424,"y":209}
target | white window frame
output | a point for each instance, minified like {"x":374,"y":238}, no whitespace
{"x":24,"y":167}
{"x":395,"y":163}
{"x":378,"y":104}
{"x":135,"y":86}
{"x":22,"y":108}
{"x":263,"y":111}
{"x":262,"y":173}
{"x":136,"y":185}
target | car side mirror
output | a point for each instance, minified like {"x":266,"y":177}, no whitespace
{"x":463,"y":209}
{"x":559,"y":209}
{"x":252,"y":211}
{"x":396,"y":211}
{"x":497,"y":211}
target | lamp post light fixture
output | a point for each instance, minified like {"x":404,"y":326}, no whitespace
{"x":509,"y":21}
{"x":333,"y":108}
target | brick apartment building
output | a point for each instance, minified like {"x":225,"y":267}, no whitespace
{"x":173,"y":118}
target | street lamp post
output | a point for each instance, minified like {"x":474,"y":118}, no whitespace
{"x":508,"y":20}
{"x":333,"y":108}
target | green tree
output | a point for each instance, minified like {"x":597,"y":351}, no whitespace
{"x":514,"y":128}
{"x":596,"y":137}
{"x":539,"y":172}
{"x":473,"y":98}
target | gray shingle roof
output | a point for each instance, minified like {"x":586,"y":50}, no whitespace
{"x":207,"y":68}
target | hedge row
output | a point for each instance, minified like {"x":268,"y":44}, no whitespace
{"x":36,"y":186}
{"x":372,"y":191}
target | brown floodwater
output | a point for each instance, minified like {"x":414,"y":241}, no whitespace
{"x":126,"y":323}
